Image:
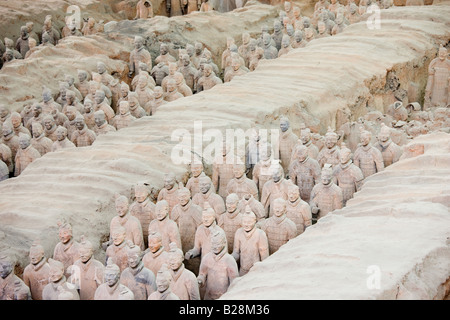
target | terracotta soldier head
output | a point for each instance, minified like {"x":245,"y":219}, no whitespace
{"x":154,"y":241}
{"x":56,"y":270}
{"x":245,"y":38}
{"x":124,"y":107}
{"x":331,"y":139}
{"x":285,"y":41}
{"x":385,"y":133}
{"x":205,"y":184}
{"x":6,"y":266}
{"x":88,"y":105}
{"x":184,"y":196}
{"x":158,"y":92}
{"x":176,"y":257}
{"x":171,"y":85}
{"x":302,"y":153}
{"x":287,"y":6}
{"x":284,"y":124}
{"x":208,"y":216}
{"x":16,"y":119}
{"x":279,"y":207}
{"x":277,"y":172}
{"x":162,"y":210}
{"x":248,"y":219}
{"x":196,"y":169}
{"x":61,"y":133}
{"x":207,"y":70}
{"x":345,"y":155}
{"x":82,"y":75}
{"x":218,"y":242}
{"x":36,"y":253}
{"x":327,"y":174}
{"x":24,"y":141}
{"x":293,"y":192}
{"x":138,"y":42}
{"x":112,"y":273}
{"x":37,"y":129}
{"x":86,"y":250}
{"x":365,"y":137}
{"x":305,"y":135}
{"x":239,"y":170}
{"x":169,"y":181}
{"x":141,"y":193}
{"x":232,"y":202}
{"x":134,"y":254}
{"x":118,"y":235}
{"x":163,"y":49}
{"x":65,"y":231}
{"x":99,"y":96}
{"x":198,"y":48}
{"x":163,"y":279}
{"x":80,"y":124}
{"x":99,"y":118}
{"x":121,"y":206}
{"x":190,"y":50}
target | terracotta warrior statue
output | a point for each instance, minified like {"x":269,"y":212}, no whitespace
{"x":202,"y":242}
{"x":231,"y":220}
{"x":118,"y":249}
{"x":9,"y":281}
{"x":50,"y":127}
{"x":286,"y":143}
{"x":277,"y":35}
{"x":184,"y":283}
{"x":329,"y":154}
{"x":144,"y":10}
{"x":129,"y":222}
{"x":270,"y":52}
{"x":390,"y":151}
{"x":285,"y":45}
{"x":49,"y":105}
{"x":306,"y":140}
{"x":193,"y":183}
{"x":143,"y":92}
{"x":83,"y":82}
{"x":69,"y":124}
{"x":244,"y":48}
{"x":67,"y":250}
{"x":11,"y":140}
{"x":61,"y":140}
{"x":6,"y":158}
{"x":164,"y":225}
{"x":222,"y":170}
{"x":158,"y":100}
{"x":256,"y":53}
{"x":437,"y":92}
{"x":164,"y":56}
{"x":163,"y":285}
{"x":89,"y":114}
{"x":187,"y":216}
{"x":112,"y":289}
{"x":37,"y":117}
{"x":25,"y":155}
{"x":39,"y":141}
{"x":124,"y":118}
{"x":234,"y":71}
{"x":226,"y":53}
{"x":240,"y":184}
{"x":326,"y":196}
{"x":143,"y":209}
{"x":207,"y":195}
{"x":208,"y":80}
{"x":304,"y":172}
{"x":57,"y":279}
{"x":22,"y":44}
{"x":159,"y":72}
{"x":298,"y":210}
{"x":250,"y":243}
{"x":87,"y":271}
{"x":348,"y":176}
{"x":188,"y":71}
{"x":170,"y":191}
{"x":256,"y":206}
{"x":156,"y":254}
{"x":139,"y":279}
{"x":172,"y":93}
{"x":276,"y":187}
{"x":101,"y":125}
{"x":36,"y":274}
{"x":16,"y":121}
{"x":262,"y":170}
{"x":83,"y":136}
{"x":218,"y":268}
{"x":102,"y":104}
{"x":182,"y":87}
{"x":367,"y":157}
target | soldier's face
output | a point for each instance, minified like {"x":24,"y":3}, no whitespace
{"x":111,"y":277}
{"x":65,"y":235}
{"x":248,"y":223}
{"x":208,"y":219}
{"x":85,"y":254}
{"x":36,"y":256}
{"x":278,"y":209}
{"x":154,"y":244}
{"x":133,"y":260}
{"x":55,"y":274}
{"x":293,"y":194}
{"x":231,"y":205}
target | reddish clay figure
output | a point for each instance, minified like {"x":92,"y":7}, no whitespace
{"x":193,"y":182}
{"x":231,"y":220}
{"x":348,"y":176}
{"x":156,"y":256}
{"x":57,"y":279}
{"x":329,"y":154}
{"x":61,"y":140}
{"x":298,"y":210}
{"x":112,"y":289}
{"x":437,"y":92}
{"x":240,"y":184}
{"x":117,"y":251}
{"x":143,"y":209}
{"x":286,"y":143}
{"x":367,"y":157}
{"x":10,"y":283}
{"x":208,"y":196}
{"x":170,"y":191}
{"x":304,"y":172}
{"x":390,"y":151}
{"x":67,"y":250}
{"x":275,"y":188}
{"x":164,"y":225}
{"x":36,"y":274}
{"x":163,"y":285}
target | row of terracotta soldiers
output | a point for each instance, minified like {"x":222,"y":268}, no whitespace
{"x":30,"y":41}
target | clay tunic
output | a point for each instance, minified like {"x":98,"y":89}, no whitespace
{"x":7,"y":287}
{"x":51,"y":134}
{"x":166,"y":59}
{"x":189,"y":76}
{"x":222,"y":173}
{"x":250,"y":247}
{"x":369,"y":160}
{"x":218,"y":272}
{"x":140,"y":55}
{"x":6,"y":156}
{"x":230,"y":222}
{"x":273,"y":190}
{"x":121,"y":121}
{"x":261,"y":174}
{"x":193,"y":186}
{"x":159,"y":72}
{"x":89,"y":120}
{"x":58,"y":145}
{"x":24,"y":157}
{"x":145,"y":213}
{"x":118,"y":255}
{"x":133,"y":229}
{"x":305,"y":174}
{"x":242,"y":187}
{"x":279,"y":230}
{"x":21,"y":129}
{"x":215,"y":201}
{"x":168,"y":230}
{"x":327,"y":198}
{"x":118,"y":292}
{"x":84,"y":137}
{"x":167,"y":295}
{"x":140,"y":281}
{"x":206,"y":83}
{"x":36,"y":278}
{"x":349,"y":178}
{"x":155,"y":104}
{"x":172,"y":96}
{"x":184,"y":284}
{"x":188,"y":218}
{"x":256,"y":207}
{"x":330,"y":156}
{"x":154,"y":261}
{"x":12,"y":142}
{"x":203,"y":239}
{"x":104,"y":128}
{"x":390,"y":152}
{"x":171,"y":196}
{"x":299,"y":212}
{"x":67,"y":254}
{"x":51,"y":292}
{"x":285,"y":146}
{"x":90,"y":277}
{"x":109,"y":112}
